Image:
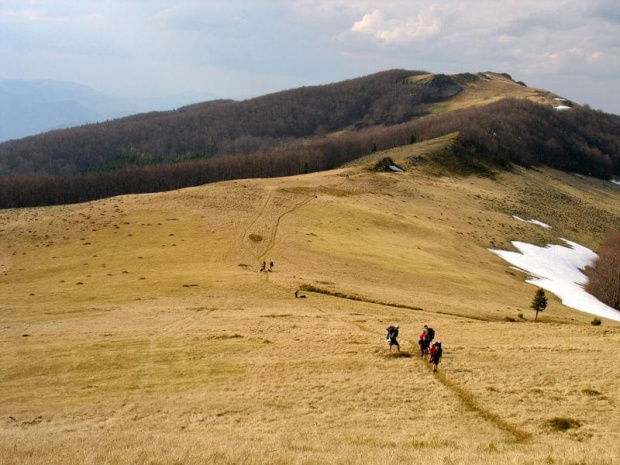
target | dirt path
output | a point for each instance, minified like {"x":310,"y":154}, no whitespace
{"x":272,"y":238}
{"x":260,"y":250}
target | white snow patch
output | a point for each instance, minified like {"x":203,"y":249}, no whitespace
{"x":616,"y":181}
{"x":395,"y":168}
{"x":560,"y":99}
{"x":558,"y":269}
{"x":562,"y":107}
{"x":536,"y":222}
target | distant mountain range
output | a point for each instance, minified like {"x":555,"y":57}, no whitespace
{"x":32,"y":107}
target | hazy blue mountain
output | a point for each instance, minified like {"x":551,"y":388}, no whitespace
{"x":32,"y":107}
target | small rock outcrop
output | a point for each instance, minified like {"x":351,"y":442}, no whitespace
{"x":387,"y":164}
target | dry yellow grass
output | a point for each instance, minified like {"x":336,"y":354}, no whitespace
{"x":488,"y":88}
{"x":175,"y":349}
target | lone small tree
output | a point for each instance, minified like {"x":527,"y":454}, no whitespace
{"x":539,"y":303}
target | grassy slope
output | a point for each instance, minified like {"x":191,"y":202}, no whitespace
{"x":489,"y":88}
{"x":174,"y":349}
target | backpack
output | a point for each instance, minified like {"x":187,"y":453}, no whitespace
{"x":431,"y":334}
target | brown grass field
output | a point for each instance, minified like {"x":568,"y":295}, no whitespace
{"x":138,"y":329}
{"x":490,"y":87}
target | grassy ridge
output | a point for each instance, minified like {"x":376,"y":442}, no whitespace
{"x":176,"y":349}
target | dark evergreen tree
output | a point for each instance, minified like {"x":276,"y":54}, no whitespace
{"x":539,"y":303}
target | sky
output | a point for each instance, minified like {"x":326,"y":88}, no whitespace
{"x":243,"y":48}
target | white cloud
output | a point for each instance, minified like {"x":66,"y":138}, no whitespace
{"x":596,"y":56}
{"x":375,"y":24}
{"x":543,"y":42}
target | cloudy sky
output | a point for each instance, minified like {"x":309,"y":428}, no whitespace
{"x":245,"y":48}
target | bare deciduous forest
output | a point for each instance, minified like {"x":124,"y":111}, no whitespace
{"x":292,"y":132}
{"x":604,"y":275}
{"x":223,"y":127}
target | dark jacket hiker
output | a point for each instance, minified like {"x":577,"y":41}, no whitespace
{"x":392,"y":335}
{"x":430,"y":333}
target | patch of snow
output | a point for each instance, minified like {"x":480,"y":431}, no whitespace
{"x":558,"y":269}
{"x":560,"y":99}
{"x":540,"y":223}
{"x":395,"y":168}
{"x":562,"y":107}
{"x":616,"y":181}
{"x":536,"y":222}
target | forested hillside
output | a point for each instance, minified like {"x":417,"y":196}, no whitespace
{"x":297,"y":131}
{"x":225,"y":127}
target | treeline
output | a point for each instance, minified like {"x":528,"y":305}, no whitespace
{"x":226,"y":127}
{"x":525,"y":133}
{"x":323,"y":154}
{"x":510,"y":131}
{"x":133,"y":158}
{"x":604,"y":275}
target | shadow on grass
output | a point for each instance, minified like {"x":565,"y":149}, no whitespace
{"x":318,"y":290}
{"x":341,"y":295}
{"x":395,"y":355}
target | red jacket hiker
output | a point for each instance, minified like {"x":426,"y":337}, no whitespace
{"x":436,"y":353}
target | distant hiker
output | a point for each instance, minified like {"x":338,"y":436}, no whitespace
{"x":424,"y":343}
{"x":270,"y":266}
{"x":264,"y":266}
{"x":430,"y":333}
{"x":436,"y":353}
{"x":296,"y":293}
{"x":392,"y":335}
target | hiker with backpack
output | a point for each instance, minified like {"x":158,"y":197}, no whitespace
{"x":436,"y":353}
{"x":392,"y":335}
{"x":430,"y":333}
{"x":424,"y":343}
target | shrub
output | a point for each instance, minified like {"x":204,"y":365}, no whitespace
{"x":563,"y":423}
{"x":596,"y":322}
{"x":590,"y":392}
